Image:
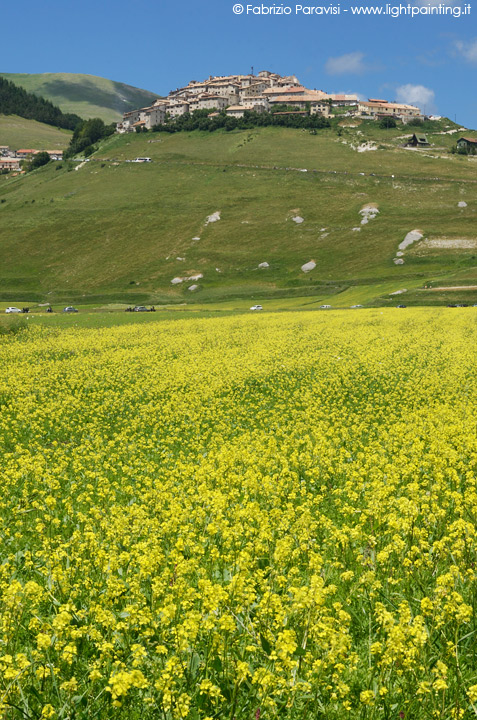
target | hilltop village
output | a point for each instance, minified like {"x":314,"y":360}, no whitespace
{"x":262,"y":93}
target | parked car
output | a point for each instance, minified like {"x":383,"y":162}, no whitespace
{"x":140,"y":308}
{"x":70,"y":309}
{"x":356,"y":306}
{"x":400,"y":306}
{"x":325,"y":307}
{"x":256,"y":307}
{"x":13,"y":310}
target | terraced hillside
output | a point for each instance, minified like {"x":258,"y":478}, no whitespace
{"x":197,"y":222}
{"x":86,"y":95}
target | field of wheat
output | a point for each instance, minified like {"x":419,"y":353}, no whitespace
{"x":250,"y":517}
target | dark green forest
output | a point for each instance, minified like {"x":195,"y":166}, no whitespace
{"x":15,"y":100}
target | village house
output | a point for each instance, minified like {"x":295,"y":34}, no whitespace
{"x":129,"y":118}
{"x":239,"y":110}
{"x":154,"y":115}
{"x":25,"y":153}
{"x":8,"y":163}
{"x":4,"y":150}
{"x":418,"y":140}
{"x":55,"y":154}
{"x":260,"y":101}
{"x":252,"y":90}
{"x":382,"y":108}
{"x":302,"y":101}
{"x":289,"y":81}
{"x":320,"y":107}
{"x":344,"y":100}
{"x":468,"y":144}
{"x":178,"y":108}
{"x":209,"y":101}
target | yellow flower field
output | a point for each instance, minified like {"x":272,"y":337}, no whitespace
{"x":250,"y":517}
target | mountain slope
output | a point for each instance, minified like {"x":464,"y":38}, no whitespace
{"x":17,"y":132}
{"x":86,"y":95}
{"x":120,"y":230}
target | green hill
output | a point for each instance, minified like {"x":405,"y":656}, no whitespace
{"x":121,"y":231}
{"x":86,"y":95}
{"x":17,"y":132}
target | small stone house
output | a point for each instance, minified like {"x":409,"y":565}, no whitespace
{"x":418,"y":140}
{"x":466,"y":143}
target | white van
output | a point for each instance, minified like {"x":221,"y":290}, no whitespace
{"x":140,"y":159}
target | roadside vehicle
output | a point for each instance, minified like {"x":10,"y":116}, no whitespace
{"x":325,"y":307}
{"x":13,"y":310}
{"x":256,"y":307}
{"x":140,"y":308}
{"x":70,"y":309}
{"x":356,"y":306}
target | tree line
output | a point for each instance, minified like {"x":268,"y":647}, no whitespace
{"x":15,"y":100}
{"x":86,"y":133}
{"x":200,"y":120}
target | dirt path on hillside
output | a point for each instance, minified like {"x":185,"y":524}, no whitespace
{"x":452,"y":287}
{"x":222,"y":166}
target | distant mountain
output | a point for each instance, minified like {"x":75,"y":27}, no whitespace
{"x":15,"y":100}
{"x":86,"y":95}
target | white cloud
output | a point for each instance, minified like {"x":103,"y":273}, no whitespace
{"x":418,"y":95}
{"x":351,"y":63}
{"x":468,"y":50}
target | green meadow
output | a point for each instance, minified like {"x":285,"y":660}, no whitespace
{"x":17,"y":132}
{"x":114,"y":231}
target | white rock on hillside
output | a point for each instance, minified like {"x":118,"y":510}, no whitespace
{"x":462,"y":204}
{"x":177,"y":281}
{"x":193,"y":287}
{"x":297,"y":219}
{"x":194,"y":277}
{"x":263,"y":265}
{"x":410,"y":238}
{"x":307,"y":267}
{"x":368,"y":212}
{"x":213,"y":218}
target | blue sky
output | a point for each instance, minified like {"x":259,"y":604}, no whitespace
{"x":160,"y":45}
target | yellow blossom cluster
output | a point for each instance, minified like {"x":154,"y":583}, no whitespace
{"x":241,"y":517}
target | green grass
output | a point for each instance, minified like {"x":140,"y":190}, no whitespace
{"x":86,"y":95}
{"x":17,"y":132}
{"x":113,"y":231}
